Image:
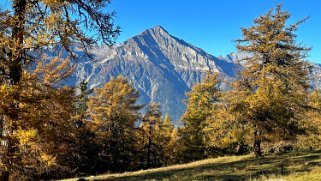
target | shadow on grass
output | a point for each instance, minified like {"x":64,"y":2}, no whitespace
{"x":248,"y":168}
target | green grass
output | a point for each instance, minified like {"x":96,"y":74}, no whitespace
{"x":290,"y":166}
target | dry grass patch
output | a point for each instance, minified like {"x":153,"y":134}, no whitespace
{"x":290,"y":166}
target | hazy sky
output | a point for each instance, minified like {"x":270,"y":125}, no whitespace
{"x":213,"y":24}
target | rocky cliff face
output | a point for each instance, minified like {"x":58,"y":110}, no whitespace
{"x":160,"y":66}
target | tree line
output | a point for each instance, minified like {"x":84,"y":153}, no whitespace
{"x":51,"y":130}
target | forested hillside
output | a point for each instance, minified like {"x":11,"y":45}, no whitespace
{"x":52,"y":130}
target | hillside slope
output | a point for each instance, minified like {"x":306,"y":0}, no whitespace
{"x":290,"y":166}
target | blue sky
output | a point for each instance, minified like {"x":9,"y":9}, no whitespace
{"x":213,"y":24}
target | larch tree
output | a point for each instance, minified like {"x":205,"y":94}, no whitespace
{"x":168,"y":125}
{"x":152,"y":126}
{"x":169,"y":141}
{"x":271,"y":92}
{"x":45,"y":122}
{"x":201,"y":101}
{"x":28,"y":28}
{"x":312,"y":124}
{"x":114,"y":112}
{"x":225,"y":130}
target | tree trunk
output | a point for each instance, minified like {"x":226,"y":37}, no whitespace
{"x":115,"y":147}
{"x":14,"y":77}
{"x":257,"y":144}
{"x":17,"y":43}
{"x":149,"y":146}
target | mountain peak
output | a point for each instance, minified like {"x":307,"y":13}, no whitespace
{"x":152,"y":38}
{"x":157,"y":30}
{"x":157,"y":41}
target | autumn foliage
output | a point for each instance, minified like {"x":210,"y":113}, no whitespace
{"x":49,"y":130}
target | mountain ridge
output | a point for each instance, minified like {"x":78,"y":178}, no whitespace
{"x":162,"y":67}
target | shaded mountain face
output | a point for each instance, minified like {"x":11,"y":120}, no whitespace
{"x":160,"y":66}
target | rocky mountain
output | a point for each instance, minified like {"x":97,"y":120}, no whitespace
{"x":160,"y":66}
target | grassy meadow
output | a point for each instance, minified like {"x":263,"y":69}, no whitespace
{"x":289,"y":166}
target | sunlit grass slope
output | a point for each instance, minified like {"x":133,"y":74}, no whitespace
{"x":290,"y":166}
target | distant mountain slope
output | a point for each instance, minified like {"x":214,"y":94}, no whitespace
{"x":160,"y":66}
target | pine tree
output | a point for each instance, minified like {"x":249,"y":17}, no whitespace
{"x":271,"y":91}
{"x":201,"y":101}
{"x":82,"y":152}
{"x":114,"y":112}
{"x":81,"y":104}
